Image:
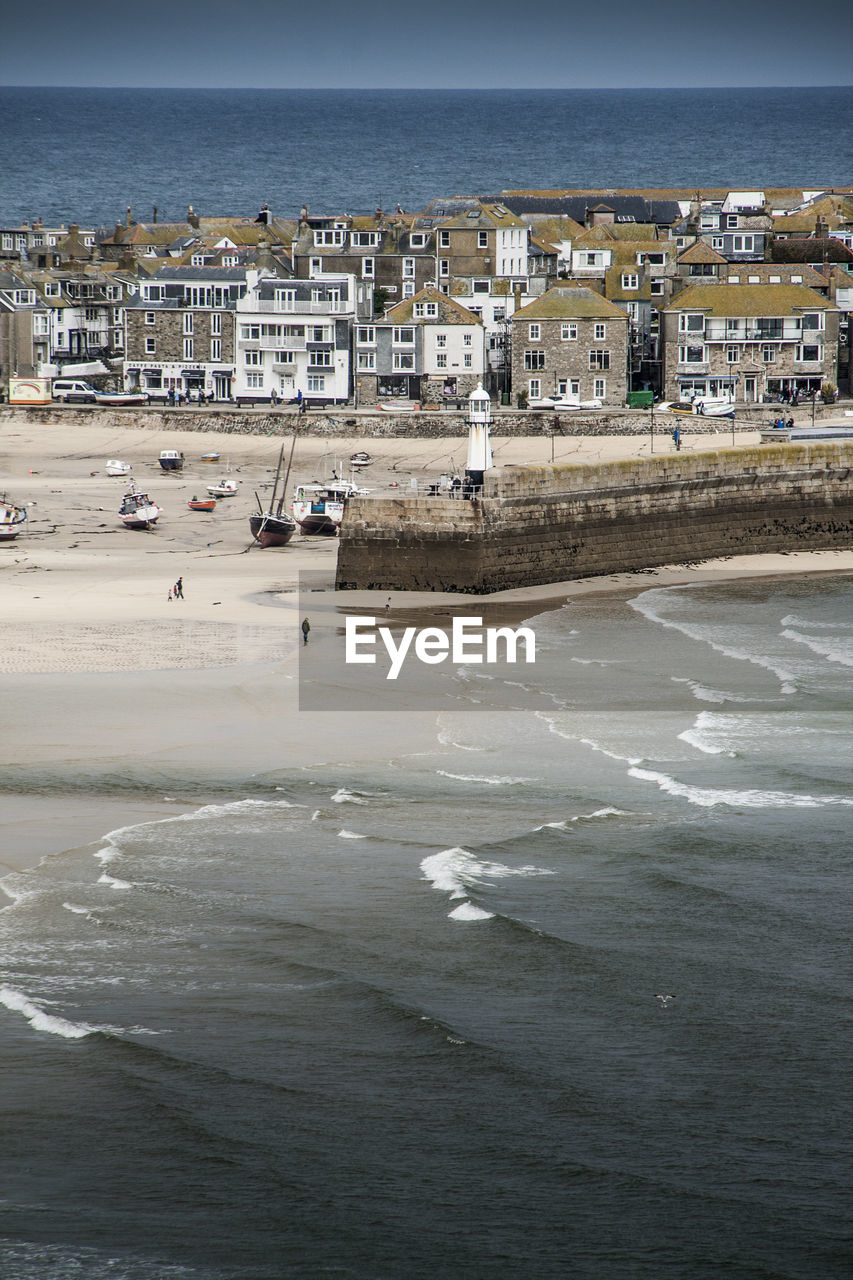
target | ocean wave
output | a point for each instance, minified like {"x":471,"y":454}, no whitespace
{"x":40,"y":1020}
{"x":457,"y":870}
{"x":113,"y":881}
{"x":704,"y":694}
{"x":350,"y":835}
{"x":644,"y":604}
{"x":447,"y":741}
{"x":492,"y":782}
{"x":708,"y":797}
{"x":701,"y":737}
{"x":810,"y":624}
{"x":342,"y":796}
{"x":837,"y":650}
{"x":467,"y":911}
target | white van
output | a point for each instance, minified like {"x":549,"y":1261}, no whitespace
{"x":72,"y":389}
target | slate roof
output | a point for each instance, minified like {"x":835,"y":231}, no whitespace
{"x":809,"y":250}
{"x":449,"y":312}
{"x":551,"y":204}
{"x":701,"y":252}
{"x":749,"y":299}
{"x":570,"y":302}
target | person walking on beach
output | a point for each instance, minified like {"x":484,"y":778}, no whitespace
{"x":179,"y":589}
{"x":676,"y":440}
{"x":306,"y":627}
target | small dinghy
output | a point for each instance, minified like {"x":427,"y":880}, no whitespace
{"x":117,"y":468}
{"x":222,"y":489}
{"x":210,"y":457}
{"x":201,"y":504}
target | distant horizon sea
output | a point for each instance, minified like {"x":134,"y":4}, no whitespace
{"x":86,"y":155}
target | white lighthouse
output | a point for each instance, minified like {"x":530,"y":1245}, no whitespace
{"x":479,"y":444}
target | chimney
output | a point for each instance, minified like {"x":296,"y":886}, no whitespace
{"x":155,"y":213}
{"x":127,"y":217}
{"x":192,"y":218}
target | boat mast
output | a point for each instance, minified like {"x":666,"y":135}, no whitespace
{"x":281,"y":500}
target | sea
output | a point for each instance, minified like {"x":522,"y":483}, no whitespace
{"x":87,"y":155}
{"x":562,"y":991}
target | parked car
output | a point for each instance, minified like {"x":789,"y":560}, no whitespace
{"x":564,"y":402}
{"x":70,"y":390}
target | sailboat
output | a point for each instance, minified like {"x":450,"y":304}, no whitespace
{"x":275,"y":527}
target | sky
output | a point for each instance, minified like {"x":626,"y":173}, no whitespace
{"x":282,"y":44}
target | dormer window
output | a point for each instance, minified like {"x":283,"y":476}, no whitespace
{"x":417,"y":240}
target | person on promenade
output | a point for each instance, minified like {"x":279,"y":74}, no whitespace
{"x":676,"y":439}
{"x":306,"y":627}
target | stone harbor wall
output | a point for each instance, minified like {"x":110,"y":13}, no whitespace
{"x":360,"y":423}
{"x":535,"y":525}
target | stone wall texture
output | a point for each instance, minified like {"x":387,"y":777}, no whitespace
{"x":536,"y":525}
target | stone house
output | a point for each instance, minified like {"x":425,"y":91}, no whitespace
{"x":179,"y":331}
{"x":748,"y":341}
{"x":571,"y":341}
{"x":396,"y":254}
{"x":428,"y":348}
{"x":482,"y":240}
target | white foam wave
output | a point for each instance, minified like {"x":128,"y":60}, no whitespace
{"x":342,"y":796}
{"x":607,"y":812}
{"x":456,"y":870}
{"x":701,"y":736}
{"x":614,"y":755}
{"x":39,"y":1020}
{"x":315,"y":815}
{"x":491,"y":782}
{"x":644,"y":605}
{"x":836,"y":650}
{"x":113,"y":882}
{"x":350,"y":835}
{"x":708,"y":797}
{"x":594,"y":662}
{"x":467,"y":911}
{"x":446,"y":741}
{"x":791,"y":620}
{"x":704,"y":694}
{"x":78,"y":911}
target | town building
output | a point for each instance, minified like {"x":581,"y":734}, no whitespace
{"x":571,"y":341}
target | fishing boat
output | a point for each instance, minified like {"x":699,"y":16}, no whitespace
{"x":12,"y":519}
{"x":222,"y":489}
{"x":210,"y":457}
{"x":115,"y":467}
{"x":359,"y":460}
{"x":137,"y":511}
{"x":119,"y":398}
{"x":274,"y":527}
{"x":201,"y":504}
{"x":171,"y":460}
{"x":704,"y":406}
{"x":319,"y":508}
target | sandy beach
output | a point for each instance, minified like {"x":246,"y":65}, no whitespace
{"x":97,"y":663}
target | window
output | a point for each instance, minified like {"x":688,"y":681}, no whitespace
{"x":691,"y":355}
{"x":367,"y":268}
{"x":8,"y":242}
{"x":197,"y":260}
{"x":40,"y":326}
{"x":768,"y":354}
{"x":316,"y":266}
{"x":188,"y":322}
{"x":813,"y":320}
{"x":599,"y":358}
{"x":733,"y":279}
{"x":366,"y":335}
{"x":443,"y":267}
{"x":404,"y":337}
{"x":534,"y":332}
{"x":426,"y":308}
{"x":250,"y":332}
{"x":466,"y":340}
{"x":364,"y":239}
{"x":809,"y":354}
{"x":320,"y":359}
{"x":216,"y":348}
{"x":482,"y":239}
{"x":441,"y":360}
{"x":796,"y":279}
{"x":568,"y":333}
{"x":599,"y":388}
{"x":188,"y":349}
{"x":366,"y":361}
{"x":441,"y":339}
{"x":600,"y":332}
{"x":481,"y":286}
{"x":754,"y":279}
{"x":150,"y":317}
{"x":26,"y":298}
{"x":404,"y":360}
{"x":732,"y":354}
{"x":743,"y":244}
{"x":656,"y":287}
{"x":328,"y":237}
{"x":408,"y":268}
{"x":319,"y":333}
{"x":534,"y":388}
{"x":444,"y":239}
{"x":254,"y":381}
{"x":216,"y":323}
{"x":630,"y":280}
{"x":118,"y":338}
{"x":253,"y":357}
{"x":688,"y":323}
{"x":534,"y":359}
{"x":150,"y":346}
{"x":417,"y":240}
{"x":285,"y":299}
{"x":717,"y":242}
{"x":468,"y":360}
{"x":51,"y":289}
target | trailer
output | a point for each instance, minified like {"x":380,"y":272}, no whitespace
{"x":29,"y":391}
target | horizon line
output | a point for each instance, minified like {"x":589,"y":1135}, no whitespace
{"x":358,"y":88}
